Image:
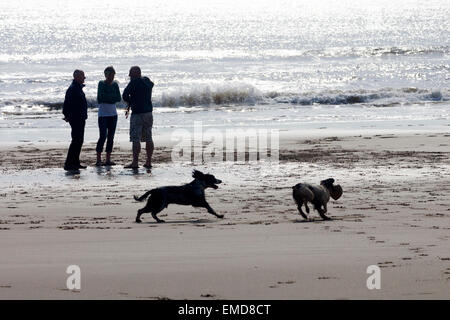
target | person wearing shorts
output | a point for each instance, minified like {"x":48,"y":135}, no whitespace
{"x":138,"y":96}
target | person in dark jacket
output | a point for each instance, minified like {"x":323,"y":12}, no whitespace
{"x":108,"y":94}
{"x":75,"y":112}
{"x":138,"y":95}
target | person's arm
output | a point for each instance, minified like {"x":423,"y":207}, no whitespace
{"x":126,"y":94}
{"x":67,"y":106}
{"x":126,"y":98}
{"x":117,"y":97}
{"x":101,"y":95}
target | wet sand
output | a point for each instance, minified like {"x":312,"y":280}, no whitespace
{"x":395,"y":213}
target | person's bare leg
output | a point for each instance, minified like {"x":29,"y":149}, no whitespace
{"x":136,"y":151}
{"x":149,"y":147}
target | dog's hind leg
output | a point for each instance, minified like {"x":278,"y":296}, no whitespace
{"x":139,"y":213}
{"x":299,"y":207}
{"x":154,"y":205}
{"x":155,"y":212}
{"x":306,"y":207}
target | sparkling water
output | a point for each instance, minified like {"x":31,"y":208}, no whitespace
{"x":235,"y":62}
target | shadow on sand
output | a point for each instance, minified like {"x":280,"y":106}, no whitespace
{"x":191,"y":221}
{"x":316,"y":220}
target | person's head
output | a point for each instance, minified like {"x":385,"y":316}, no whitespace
{"x":109,"y":74}
{"x":78,"y":76}
{"x":135,"y":72}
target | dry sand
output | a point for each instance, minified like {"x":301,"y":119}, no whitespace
{"x":395,"y":213}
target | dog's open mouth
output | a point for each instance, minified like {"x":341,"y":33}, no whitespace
{"x":215,"y":185}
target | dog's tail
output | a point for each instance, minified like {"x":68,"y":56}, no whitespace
{"x":144,"y":196}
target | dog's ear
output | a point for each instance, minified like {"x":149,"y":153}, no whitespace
{"x":197,"y":174}
{"x":336,"y":192}
{"x":327,"y":183}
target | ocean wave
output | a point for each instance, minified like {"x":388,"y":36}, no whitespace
{"x":242,"y":94}
{"x":382,"y":97}
{"x":246,"y":95}
{"x":391,"y":51}
{"x":231,"y":55}
{"x":349,"y":52}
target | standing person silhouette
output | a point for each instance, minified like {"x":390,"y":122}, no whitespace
{"x":138,"y":95}
{"x":75,"y":112}
{"x":108,"y":94}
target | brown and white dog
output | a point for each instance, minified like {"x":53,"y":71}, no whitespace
{"x":318,"y":195}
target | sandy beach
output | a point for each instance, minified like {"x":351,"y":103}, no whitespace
{"x":357,"y":91}
{"x":395,"y":213}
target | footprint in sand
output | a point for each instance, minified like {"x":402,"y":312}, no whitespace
{"x":65,"y":289}
{"x":425,"y":293}
{"x":286,"y":282}
{"x":447,"y":273}
{"x":281,"y":283}
{"x":154,"y":298}
{"x":386,"y":264}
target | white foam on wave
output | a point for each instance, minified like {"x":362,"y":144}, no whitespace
{"x":382,"y":97}
{"x":206,"y":95}
{"x":241,"y":95}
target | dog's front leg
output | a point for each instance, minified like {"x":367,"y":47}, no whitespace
{"x":211,"y":210}
{"x":322,"y":212}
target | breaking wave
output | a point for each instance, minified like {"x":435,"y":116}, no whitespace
{"x":243,"y":94}
{"x":383,"y":97}
{"x":246,"y":95}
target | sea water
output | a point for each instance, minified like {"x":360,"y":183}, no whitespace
{"x":315,"y":65}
